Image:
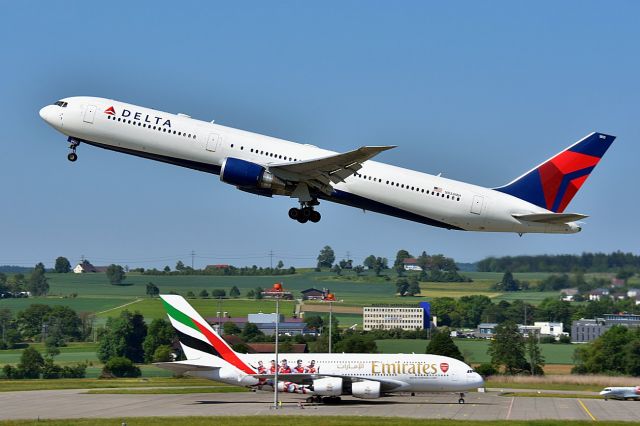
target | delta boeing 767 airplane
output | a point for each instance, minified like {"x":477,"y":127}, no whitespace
{"x":532,"y":203}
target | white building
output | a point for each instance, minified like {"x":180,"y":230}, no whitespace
{"x":393,"y":316}
{"x":411,"y":264}
{"x":549,"y":328}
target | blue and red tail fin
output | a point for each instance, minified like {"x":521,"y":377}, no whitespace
{"x":552,"y":184}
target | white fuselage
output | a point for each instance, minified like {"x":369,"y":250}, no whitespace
{"x":621,"y":392}
{"x":407,"y":372}
{"x":379,"y":187}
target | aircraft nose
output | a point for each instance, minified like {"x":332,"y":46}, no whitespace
{"x":477,"y":380}
{"x":48,"y":114}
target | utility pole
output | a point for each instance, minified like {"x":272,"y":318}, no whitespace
{"x":193,"y":255}
{"x":271,"y":258}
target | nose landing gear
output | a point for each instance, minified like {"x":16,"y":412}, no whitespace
{"x":73,"y":145}
{"x":306,"y":212}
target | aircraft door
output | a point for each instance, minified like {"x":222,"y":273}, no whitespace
{"x":476,"y":205}
{"x":212,"y":142}
{"x":89,"y":114}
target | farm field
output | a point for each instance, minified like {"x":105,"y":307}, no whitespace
{"x":96,"y":295}
{"x":152,"y":308}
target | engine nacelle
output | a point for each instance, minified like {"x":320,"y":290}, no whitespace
{"x":366,"y":389}
{"x":246,"y":174}
{"x":328,"y":386}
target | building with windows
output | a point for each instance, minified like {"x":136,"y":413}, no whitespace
{"x":266,"y":323}
{"x":314,"y":294}
{"x":387,"y":317}
{"x":586,"y":330}
{"x":553,"y":329}
{"x":486,"y":330}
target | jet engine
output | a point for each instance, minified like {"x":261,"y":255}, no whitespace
{"x":245,"y":174}
{"x":366,"y":389}
{"x":328,"y":386}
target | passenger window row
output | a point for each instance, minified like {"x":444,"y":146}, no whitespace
{"x":269,"y":154}
{"x":435,"y":191}
{"x":150,"y":127}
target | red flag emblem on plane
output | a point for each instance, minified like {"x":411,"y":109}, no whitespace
{"x":444,"y":367}
{"x":110,"y":111}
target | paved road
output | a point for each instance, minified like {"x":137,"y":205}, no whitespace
{"x":479,"y":406}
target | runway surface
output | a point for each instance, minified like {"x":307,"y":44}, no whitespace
{"x":479,"y":406}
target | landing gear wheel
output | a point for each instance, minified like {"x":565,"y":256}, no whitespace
{"x":294,"y":213}
{"x":315,"y":216}
{"x":72,"y":156}
{"x":309,"y":400}
{"x":461,"y":401}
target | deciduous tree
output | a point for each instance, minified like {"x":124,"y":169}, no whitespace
{"x":326,"y":257}
{"x":441,"y":343}
{"x":115,"y":274}
{"x":62,"y":265}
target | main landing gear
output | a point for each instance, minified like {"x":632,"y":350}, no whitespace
{"x":323,"y":399}
{"x":306,"y":212}
{"x":73,"y":145}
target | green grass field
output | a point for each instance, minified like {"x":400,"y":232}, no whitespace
{"x":94,"y":383}
{"x":152,"y":308}
{"x":96,"y":294}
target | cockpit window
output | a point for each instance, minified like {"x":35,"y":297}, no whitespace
{"x":61,"y":104}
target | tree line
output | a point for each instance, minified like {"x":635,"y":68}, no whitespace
{"x":586,"y":262}
{"x":615,"y":352}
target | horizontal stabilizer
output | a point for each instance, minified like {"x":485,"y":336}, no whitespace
{"x":551,"y":218}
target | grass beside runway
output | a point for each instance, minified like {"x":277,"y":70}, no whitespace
{"x":43,"y":384}
{"x":172,"y":391}
{"x":289,"y":420}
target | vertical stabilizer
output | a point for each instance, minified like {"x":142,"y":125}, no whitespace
{"x":552,"y":184}
{"x":196,"y":335}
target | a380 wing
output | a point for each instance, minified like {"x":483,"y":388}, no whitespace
{"x":321,"y":172}
{"x":387,"y":385}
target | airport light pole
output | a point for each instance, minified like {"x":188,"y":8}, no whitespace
{"x":330,"y":297}
{"x":278,"y":293}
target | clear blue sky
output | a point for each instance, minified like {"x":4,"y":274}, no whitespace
{"x":480,"y":91}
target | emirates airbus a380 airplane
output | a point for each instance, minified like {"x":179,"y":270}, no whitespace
{"x":324,"y":377}
{"x":262,"y":165}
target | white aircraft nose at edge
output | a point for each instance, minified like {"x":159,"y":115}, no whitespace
{"x":532,"y":203}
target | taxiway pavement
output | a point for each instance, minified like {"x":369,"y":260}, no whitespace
{"x":479,"y":406}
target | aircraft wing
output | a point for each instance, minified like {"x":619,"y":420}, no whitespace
{"x":182,"y":367}
{"x":551,"y":218}
{"x":322,"y":172}
{"x":387,"y":385}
